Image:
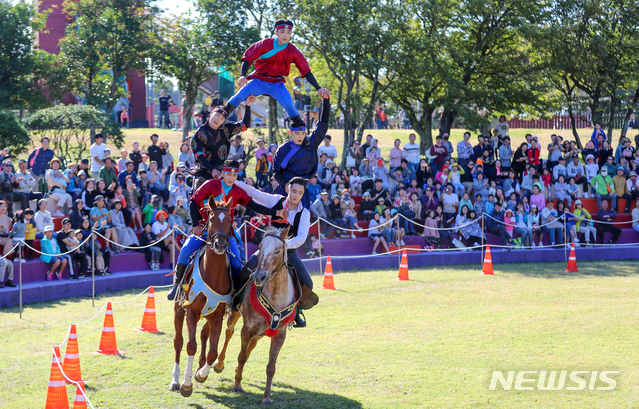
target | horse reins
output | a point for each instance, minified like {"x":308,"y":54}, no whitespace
{"x":284,"y":258}
{"x":213,"y":236}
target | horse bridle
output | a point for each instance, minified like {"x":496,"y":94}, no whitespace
{"x":284,"y":257}
{"x":213,"y":236}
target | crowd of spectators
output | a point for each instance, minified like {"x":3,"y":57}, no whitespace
{"x":462,"y":190}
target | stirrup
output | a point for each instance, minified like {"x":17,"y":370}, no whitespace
{"x":300,"y":319}
{"x":171,"y":295}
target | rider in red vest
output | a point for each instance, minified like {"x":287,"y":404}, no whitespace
{"x":222,"y":190}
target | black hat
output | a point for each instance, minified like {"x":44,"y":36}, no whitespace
{"x":66,"y":220}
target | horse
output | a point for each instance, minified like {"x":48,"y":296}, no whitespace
{"x":214,"y":273}
{"x":272,"y":277}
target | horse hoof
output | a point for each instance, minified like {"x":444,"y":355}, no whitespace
{"x":216,"y":369}
{"x":174,"y":387}
{"x":267,"y":401}
{"x":237,"y":389}
{"x":198,"y":379}
{"x":186,"y":391}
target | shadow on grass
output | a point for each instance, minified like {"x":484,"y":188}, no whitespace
{"x":283,"y":395}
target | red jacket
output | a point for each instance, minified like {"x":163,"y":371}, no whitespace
{"x":533,"y":156}
{"x":279,"y":65}
{"x":213,"y":188}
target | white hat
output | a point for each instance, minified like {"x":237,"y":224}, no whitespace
{"x":48,"y":228}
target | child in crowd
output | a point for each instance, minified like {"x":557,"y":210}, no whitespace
{"x":18,"y":231}
{"x":261,"y":171}
{"x":29,"y":232}
{"x":380,"y":206}
{"x":573,"y":189}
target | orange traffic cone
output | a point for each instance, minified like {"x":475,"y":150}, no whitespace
{"x":71,"y":365}
{"x":108,"y":344}
{"x":572,"y":260}
{"x":488,"y":263}
{"x":57,"y":393}
{"x":328,"y":276}
{"x":80,"y":401}
{"x":403,"y":268}
{"x":149,"y":323}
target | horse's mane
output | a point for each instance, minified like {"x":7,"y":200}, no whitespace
{"x":272,"y":230}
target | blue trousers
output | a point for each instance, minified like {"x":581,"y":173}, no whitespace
{"x":275,"y":89}
{"x":192,"y":244}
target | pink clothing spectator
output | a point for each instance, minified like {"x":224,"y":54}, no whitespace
{"x":395,"y":157}
{"x":539,"y":200}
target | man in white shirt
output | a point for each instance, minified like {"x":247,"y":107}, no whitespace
{"x":411,"y":153}
{"x":327,"y":148}
{"x":299,"y":220}
{"x":97,"y":155}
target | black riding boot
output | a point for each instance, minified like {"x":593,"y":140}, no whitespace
{"x":300,"y":319}
{"x":238,"y":284}
{"x":179,"y":273}
{"x":297,"y":122}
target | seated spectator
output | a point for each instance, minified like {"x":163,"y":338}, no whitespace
{"x":107,"y":172}
{"x":151,"y":209}
{"x":180,"y":189}
{"x":489,"y":206}
{"x":621,"y":191}
{"x":347,"y":205}
{"x":314,"y":189}
{"x":496,"y":225}
{"x":6,"y":272}
{"x":51,"y":254}
{"x":465,"y":201}
{"x":512,"y":202}
{"x":522,"y":228}
{"x":143,"y":186}
{"x":606,"y":218}
{"x":156,"y":182}
{"x":450,"y":201}
{"x":26,"y":185}
{"x":380,"y":191}
{"x":126,"y":235}
{"x":584,"y":223}
{"x":537,"y":198}
{"x":366,"y":173}
{"x":88,"y":195}
{"x":176,"y":221}
{"x":430,"y":232}
{"x":561,"y":190}
{"x":382,"y":173}
{"x":355,"y":182}
{"x":78,"y":254}
{"x":534,"y":223}
{"x":99,"y":214}
{"x":551,"y":224}
{"x":393,"y":234}
{"x":480,"y":185}
{"x":366,"y":207}
{"x":376,"y":233}
{"x":559,"y":169}
{"x":57,"y":182}
{"x":604,"y":187}
{"x":183,"y":213}
{"x":404,"y":206}
{"x":102,"y":256}
{"x":153,"y":254}
{"x":5,"y":228}
{"x":338,"y":219}
{"x":132,"y":198}
{"x":274,"y":188}
{"x":635,"y":216}
{"x":632,"y":185}
{"x":444,"y":235}
{"x":417,"y":208}
{"x":127,"y":172}
{"x":511,"y":184}
{"x":162,"y":228}
{"x":610,"y":165}
{"x":43,"y":219}
{"x":478,"y":206}
{"x":64,"y":242}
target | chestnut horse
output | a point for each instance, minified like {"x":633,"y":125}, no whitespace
{"x":214,"y":272}
{"x":271,"y":274}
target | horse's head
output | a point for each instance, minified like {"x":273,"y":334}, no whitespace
{"x":219,"y":225}
{"x":272,"y":256}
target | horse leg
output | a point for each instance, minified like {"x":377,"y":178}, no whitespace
{"x":234,"y":316}
{"x":186,"y":389}
{"x":204,"y":337}
{"x":178,"y":342}
{"x":247,"y":337}
{"x":216,"y":328}
{"x":276,"y":344}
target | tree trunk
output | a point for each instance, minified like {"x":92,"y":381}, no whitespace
{"x":629,"y":111}
{"x":611,"y":114}
{"x":272,"y":121}
{"x":189,"y":101}
{"x":573,"y":126}
{"x":447,"y":120}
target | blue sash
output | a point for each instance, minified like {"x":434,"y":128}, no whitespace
{"x":276,"y":49}
{"x":294,"y":149}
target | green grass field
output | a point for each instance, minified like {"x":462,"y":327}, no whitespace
{"x":375,"y":343}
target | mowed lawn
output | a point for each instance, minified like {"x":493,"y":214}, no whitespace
{"x":375,"y":343}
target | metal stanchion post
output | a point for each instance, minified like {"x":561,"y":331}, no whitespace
{"x":20,"y":255}
{"x":482,"y":240}
{"x":93,"y":268}
{"x":245,"y":242}
{"x":319,"y":238}
{"x":399,"y":246}
{"x":565,"y":240}
{"x":173,"y":249}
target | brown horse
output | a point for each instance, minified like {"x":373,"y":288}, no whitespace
{"x":277,"y":285}
{"x":208,"y":297}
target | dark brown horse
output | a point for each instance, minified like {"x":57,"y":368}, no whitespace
{"x":277,"y":285}
{"x":208,"y":297}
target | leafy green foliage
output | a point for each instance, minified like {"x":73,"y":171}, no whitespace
{"x":69,"y":127}
{"x":12,"y":133}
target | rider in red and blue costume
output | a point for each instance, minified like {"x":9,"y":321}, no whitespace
{"x":221,"y":190}
{"x":273,"y":58}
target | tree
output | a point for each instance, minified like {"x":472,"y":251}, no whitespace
{"x":68,"y":128}
{"x":193,"y":49}
{"x":465,"y":58}
{"x":12,"y":133}
{"x":590,"y":47}
{"x":110,"y":38}
{"x":353,"y":38}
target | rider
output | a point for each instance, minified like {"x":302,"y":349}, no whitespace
{"x":212,"y":141}
{"x":273,"y":59}
{"x":222,"y":190}
{"x":299,"y":220}
{"x":298,"y":157}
